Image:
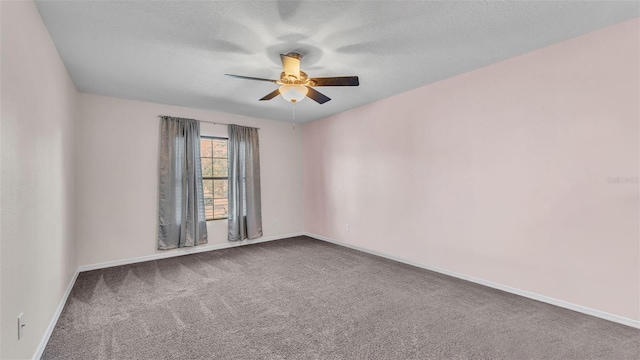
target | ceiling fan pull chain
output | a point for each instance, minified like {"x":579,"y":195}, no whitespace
{"x":294,"y":114}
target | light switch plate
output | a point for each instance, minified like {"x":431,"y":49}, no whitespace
{"x":21,"y":325}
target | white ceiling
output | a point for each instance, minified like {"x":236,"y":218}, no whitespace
{"x":177,"y":52}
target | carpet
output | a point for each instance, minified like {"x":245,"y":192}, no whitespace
{"x":302,"y":298}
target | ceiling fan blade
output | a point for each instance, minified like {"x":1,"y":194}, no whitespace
{"x":317,"y":96}
{"x":336,"y":81}
{"x":251,"y":78}
{"x":291,"y":65}
{"x":271,"y":95}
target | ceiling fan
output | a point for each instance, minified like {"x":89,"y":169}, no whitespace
{"x":295,"y":85}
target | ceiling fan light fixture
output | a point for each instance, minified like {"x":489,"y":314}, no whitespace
{"x":293,"y":92}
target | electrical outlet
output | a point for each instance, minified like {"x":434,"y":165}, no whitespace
{"x":21,"y":325}
{"x":348,"y":227}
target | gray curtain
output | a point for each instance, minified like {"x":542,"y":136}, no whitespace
{"x":245,"y":207}
{"x":181,"y":200}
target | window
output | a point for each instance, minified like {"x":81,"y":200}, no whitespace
{"x":215,"y":178}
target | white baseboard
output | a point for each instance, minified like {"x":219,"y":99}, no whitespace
{"x":54,"y":319}
{"x":549,"y":300}
{"x":184,"y":251}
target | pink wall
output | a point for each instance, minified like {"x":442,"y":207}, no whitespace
{"x":38,"y":101}
{"x":117,"y":182}
{"x":502,"y":173}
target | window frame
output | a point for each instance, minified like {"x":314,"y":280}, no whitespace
{"x":217,"y":177}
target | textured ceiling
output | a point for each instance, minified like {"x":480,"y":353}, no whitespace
{"x":177,"y":52}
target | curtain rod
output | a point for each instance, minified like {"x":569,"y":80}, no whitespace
{"x":210,"y":122}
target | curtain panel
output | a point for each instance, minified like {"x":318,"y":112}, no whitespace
{"x":181,"y":215}
{"x":245,"y":207}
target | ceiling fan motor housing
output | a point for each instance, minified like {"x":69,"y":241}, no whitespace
{"x":291,"y":79}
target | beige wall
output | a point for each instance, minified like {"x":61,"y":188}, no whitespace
{"x":524,"y":173}
{"x":36,"y":178}
{"x":117,"y":170}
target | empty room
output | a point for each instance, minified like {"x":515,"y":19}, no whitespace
{"x":319,"y":180}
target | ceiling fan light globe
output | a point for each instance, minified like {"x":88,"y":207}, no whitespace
{"x":293,"y":92}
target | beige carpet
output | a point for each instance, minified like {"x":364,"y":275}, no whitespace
{"x":306,"y":299}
